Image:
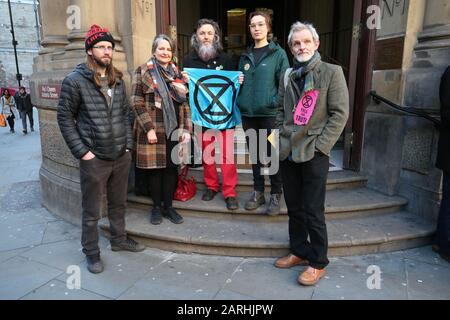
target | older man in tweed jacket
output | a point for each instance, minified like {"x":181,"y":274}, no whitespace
{"x":313,"y":112}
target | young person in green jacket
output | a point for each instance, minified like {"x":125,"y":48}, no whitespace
{"x":263,"y":65}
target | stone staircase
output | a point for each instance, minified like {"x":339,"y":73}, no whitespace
{"x":359,"y":221}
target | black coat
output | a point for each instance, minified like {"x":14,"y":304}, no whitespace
{"x":86,"y":121}
{"x":443,"y":158}
{"x":221,"y":62}
{"x":23,"y":103}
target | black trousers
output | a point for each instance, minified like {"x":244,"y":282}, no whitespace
{"x":10,"y":121}
{"x":304,"y":190}
{"x":95,"y":176}
{"x":443,"y":226}
{"x":258,"y":179}
{"x":163,"y":183}
{"x":24,"y":115}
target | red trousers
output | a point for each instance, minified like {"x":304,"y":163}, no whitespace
{"x":229,"y":171}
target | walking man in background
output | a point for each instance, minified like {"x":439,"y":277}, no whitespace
{"x":23,"y":102}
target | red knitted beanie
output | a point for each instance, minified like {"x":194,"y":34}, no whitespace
{"x":97,"y":34}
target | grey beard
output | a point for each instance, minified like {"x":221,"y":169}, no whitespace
{"x":299,"y":59}
{"x":207,"y":52}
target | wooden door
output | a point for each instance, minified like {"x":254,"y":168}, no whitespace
{"x":360,"y":81}
{"x":166,"y":18}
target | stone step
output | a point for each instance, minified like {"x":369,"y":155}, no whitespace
{"x":339,"y":204}
{"x":336,"y":179}
{"x":356,"y":236}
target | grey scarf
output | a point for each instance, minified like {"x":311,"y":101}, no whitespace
{"x":170,"y":118}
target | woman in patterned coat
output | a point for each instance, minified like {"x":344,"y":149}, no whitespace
{"x":162,"y":125}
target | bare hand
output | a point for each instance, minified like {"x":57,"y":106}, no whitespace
{"x":88,"y":156}
{"x":151,"y":137}
{"x":241,"y":78}
{"x":185,"y":76}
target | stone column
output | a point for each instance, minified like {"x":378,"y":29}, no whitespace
{"x":138,"y":30}
{"x":53,"y":25}
{"x":59,"y":172}
{"x":53,"y":31}
{"x":91,"y":13}
{"x":431,"y":57}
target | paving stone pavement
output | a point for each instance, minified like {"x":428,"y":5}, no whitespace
{"x":40,"y":255}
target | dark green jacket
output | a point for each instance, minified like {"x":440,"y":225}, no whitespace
{"x":259,"y":93}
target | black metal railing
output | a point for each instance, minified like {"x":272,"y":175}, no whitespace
{"x":410,"y":110}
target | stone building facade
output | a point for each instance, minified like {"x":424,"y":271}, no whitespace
{"x":27,"y":35}
{"x":403,"y":62}
{"x":399,"y":149}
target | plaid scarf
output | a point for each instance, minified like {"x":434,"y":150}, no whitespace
{"x":168,"y":87}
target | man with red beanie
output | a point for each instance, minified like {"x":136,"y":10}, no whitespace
{"x":93,"y":118}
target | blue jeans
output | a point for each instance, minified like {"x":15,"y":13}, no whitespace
{"x":443,"y":227}
{"x":23,"y":116}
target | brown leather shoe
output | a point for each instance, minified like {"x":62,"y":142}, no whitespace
{"x":290,"y":261}
{"x":311,"y":276}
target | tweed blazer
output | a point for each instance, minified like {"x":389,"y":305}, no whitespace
{"x":327,"y":122}
{"x":149,"y":117}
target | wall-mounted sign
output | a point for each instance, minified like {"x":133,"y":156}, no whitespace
{"x":49,"y":91}
{"x":389,"y":53}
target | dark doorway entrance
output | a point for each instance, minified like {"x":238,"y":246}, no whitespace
{"x":343,"y":42}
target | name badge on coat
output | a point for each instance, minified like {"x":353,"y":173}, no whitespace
{"x":305,"y":108}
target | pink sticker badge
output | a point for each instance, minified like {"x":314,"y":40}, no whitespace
{"x":305,"y":108}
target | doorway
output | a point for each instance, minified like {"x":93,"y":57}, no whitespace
{"x":342,"y":40}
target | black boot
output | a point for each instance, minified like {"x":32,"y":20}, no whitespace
{"x":232,"y":203}
{"x":209,"y":195}
{"x":256,"y":200}
{"x":156,"y":216}
{"x":127,"y":245}
{"x":274,"y":205}
{"x":94,"y":263}
{"x":173,"y":216}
